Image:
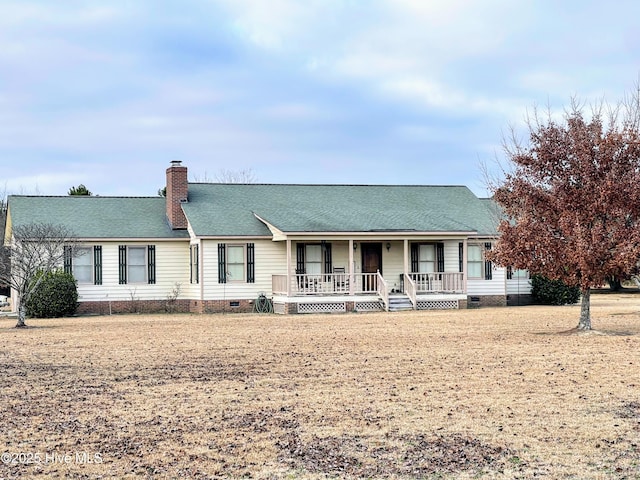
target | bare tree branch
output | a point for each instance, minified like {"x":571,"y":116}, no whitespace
{"x":32,"y":248}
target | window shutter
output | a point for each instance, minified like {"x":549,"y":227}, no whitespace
{"x":222,"y":263}
{"x":509,"y":273}
{"x":97,"y":264}
{"x":67,"y":253}
{"x":251,"y":267}
{"x":151,"y":263}
{"x":488,"y":268}
{"x":122,"y":264}
{"x":328,"y":262}
{"x":440,"y":257}
{"x":300,"y":258}
{"x":415,"y":253}
{"x":191,"y":264}
{"x":460,"y":257}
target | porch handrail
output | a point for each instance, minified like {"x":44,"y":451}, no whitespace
{"x":445,"y":282}
{"x":383,"y":290}
{"x":410,"y":290}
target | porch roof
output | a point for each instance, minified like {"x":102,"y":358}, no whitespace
{"x":231,"y":209}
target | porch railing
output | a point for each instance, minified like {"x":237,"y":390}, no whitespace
{"x":438,"y":282}
{"x":383,"y":290}
{"x":365,"y":283}
{"x":329,"y":283}
{"x":410,"y":290}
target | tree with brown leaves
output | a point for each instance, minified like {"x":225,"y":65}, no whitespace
{"x":571,"y":199}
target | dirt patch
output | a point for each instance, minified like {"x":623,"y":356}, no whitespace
{"x":486,"y":393}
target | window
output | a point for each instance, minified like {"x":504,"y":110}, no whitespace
{"x":137,"y":264}
{"x":517,"y":274}
{"x":426,"y":259}
{"x":477,"y":265}
{"x":236,"y":263}
{"x":84,"y":263}
{"x":313,"y":259}
{"x":194,"y":263}
{"x":474,"y":261}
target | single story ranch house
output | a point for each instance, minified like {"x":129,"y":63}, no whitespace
{"x":210,"y":247}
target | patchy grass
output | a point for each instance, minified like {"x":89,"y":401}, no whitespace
{"x":489,"y":393}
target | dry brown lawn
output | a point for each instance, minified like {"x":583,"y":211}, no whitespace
{"x":489,"y":393}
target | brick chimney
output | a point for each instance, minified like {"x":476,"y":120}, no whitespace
{"x":177,"y":194}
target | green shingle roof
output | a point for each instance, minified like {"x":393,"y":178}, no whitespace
{"x":96,"y":217}
{"x":228,"y":209}
{"x":231,"y":209}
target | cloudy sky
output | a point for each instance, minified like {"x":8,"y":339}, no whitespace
{"x":298,"y":91}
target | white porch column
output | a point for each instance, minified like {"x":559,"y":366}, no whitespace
{"x":352,"y":278}
{"x":288,"y":267}
{"x":406,"y":258}
{"x":464,"y":265}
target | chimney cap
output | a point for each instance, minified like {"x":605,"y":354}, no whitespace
{"x":176,"y":163}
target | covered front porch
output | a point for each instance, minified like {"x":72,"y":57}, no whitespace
{"x":372,"y":274}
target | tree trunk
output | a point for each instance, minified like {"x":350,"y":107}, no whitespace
{"x":585,"y":313}
{"x":615,"y":285}
{"x":22,"y":313}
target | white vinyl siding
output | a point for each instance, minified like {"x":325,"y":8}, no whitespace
{"x":270,"y":259}
{"x":172,"y":260}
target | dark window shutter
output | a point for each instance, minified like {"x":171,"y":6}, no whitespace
{"x":509,"y":273}
{"x":415,"y":255}
{"x":300,"y":269}
{"x":251,"y":263}
{"x":440,"y":256}
{"x":122,"y":264}
{"x":460,"y":257}
{"x":328,"y":261}
{"x":151,"y":263}
{"x":68,"y":255}
{"x":488,"y":268}
{"x":222,"y":263}
{"x":97,"y":264}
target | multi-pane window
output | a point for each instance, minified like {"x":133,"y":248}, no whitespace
{"x":83,"y":264}
{"x":426,"y":258}
{"x":313,"y":259}
{"x":475,"y":262}
{"x":194,"y":264}
{"x":136,"y":265}
{"x":235,"y":263}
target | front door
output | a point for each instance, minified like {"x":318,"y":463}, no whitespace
{"x":371,"y":264}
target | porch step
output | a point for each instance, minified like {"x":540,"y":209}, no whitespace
{"x":399,"y":303}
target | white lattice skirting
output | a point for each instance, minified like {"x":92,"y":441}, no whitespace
{"x":368,"y":306}
{"x":437,"y":304}
{"x":322,"y":307}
